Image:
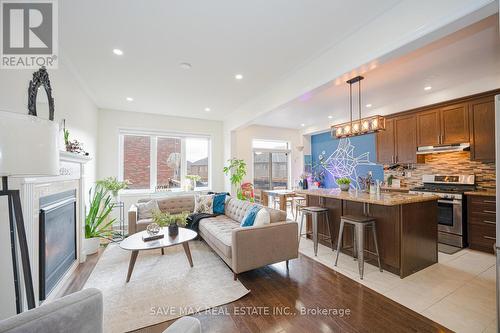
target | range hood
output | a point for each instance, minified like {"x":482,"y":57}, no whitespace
{"x":443,"y":149}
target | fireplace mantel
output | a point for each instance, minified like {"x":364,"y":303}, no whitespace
{"x":72,"y":176}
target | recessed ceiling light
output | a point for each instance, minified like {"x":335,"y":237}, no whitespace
{"x":207,"y":109}
{"x":185,"y":65}
{"x":129,"y":99}
{"x":238,"y":76}
{"x":330,"y":117}
{"x":302,"y":125}
{"x":368,"y":105}
{"x":427,"y":88}
{"x":117,"y":51}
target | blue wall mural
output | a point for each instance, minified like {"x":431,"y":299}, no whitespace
{"x":348,"y":157}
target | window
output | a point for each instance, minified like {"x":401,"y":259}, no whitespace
{"x":162,"y":162}
{"x":270,"y":164}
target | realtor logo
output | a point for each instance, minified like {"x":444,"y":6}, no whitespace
{"x":28,"y":34}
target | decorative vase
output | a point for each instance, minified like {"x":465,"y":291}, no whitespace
{"x":173,"y":230}
{"x":304,"y":184}
{"x":91,"y":245}
{"x":344,"y":187}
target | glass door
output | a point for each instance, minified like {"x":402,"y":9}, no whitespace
{"x":270,"y":170}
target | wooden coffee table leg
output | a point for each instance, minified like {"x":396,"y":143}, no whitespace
{"x":131,"y":264}
{"x":188,"y":253}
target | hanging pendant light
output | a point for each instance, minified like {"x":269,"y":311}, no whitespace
{"x":361,"y":125}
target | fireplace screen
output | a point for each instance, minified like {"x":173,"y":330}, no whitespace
{"x":57,"y":238}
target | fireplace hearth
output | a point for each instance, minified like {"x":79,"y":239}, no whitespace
{"x":57,"y":239}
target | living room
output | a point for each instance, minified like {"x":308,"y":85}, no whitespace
{"x":249,"y":167}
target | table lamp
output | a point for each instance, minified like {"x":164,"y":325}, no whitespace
{"x":28,"y":147}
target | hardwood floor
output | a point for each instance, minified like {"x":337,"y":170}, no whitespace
{"x":307,"y":284}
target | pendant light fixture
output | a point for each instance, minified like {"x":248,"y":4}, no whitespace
{"x":361,"y":125}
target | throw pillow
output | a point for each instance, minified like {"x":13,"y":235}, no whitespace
{"x":145,"y":209}
{"x":249,"y":218}
{"x":263,"y":217}
{"x":204,"y":204}
{"x":219,"y":203}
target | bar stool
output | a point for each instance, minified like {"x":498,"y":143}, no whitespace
{"x":298,"y":204}
{"x":359,"y":223}
{"x":315,"y":212}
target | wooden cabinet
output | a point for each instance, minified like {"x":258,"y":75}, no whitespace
{"x":454,"y":124}
{"x":405,"y":134}
{"x":386,"y":143}
{"x":429,"y":128}
{"x":443,"y":126}
{"x":398,"y":143}
{"x":482,"y":129}
{"x":481,"y":222}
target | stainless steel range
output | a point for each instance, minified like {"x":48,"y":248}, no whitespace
{"x":452,"y":228}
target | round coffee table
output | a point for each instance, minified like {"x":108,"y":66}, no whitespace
{"x":135,"y":244}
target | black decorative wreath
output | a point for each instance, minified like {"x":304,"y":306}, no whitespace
{"x":40,"y":77}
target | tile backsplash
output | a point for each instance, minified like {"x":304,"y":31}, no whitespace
{"x":448,"y":163}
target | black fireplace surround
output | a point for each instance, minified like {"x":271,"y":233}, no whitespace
{"x":57,"y":239}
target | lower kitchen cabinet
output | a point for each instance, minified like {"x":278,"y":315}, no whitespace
{"x":481,"y":221}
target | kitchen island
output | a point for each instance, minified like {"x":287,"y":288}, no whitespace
{"x":406,"y":225}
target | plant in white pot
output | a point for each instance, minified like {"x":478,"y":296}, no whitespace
{"x":113,"y":185}
{"x":97,"y":224}
{"x":344,"y":183}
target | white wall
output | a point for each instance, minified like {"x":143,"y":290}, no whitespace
{"x":242,"y":147}
{"x":71,"y":103}
{"x":111,"y":121}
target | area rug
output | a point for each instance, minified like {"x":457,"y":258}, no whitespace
{"x":161,"y":288}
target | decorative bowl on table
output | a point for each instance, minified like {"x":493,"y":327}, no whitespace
{"x":153,"y":229}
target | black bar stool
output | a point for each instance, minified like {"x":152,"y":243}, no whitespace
{"x":359,"y":223}
{"x":315,"y":212}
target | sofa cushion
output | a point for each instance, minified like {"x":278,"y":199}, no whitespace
{"x":219,"y":203}
{"x":250,"y":215}
{"x":176,"y":204}
{"x":263,"y":217}
{"x":276,"y":215}
{"x":204,"y":204}
{"x":236,"y":209}
{"x":219,"y":231}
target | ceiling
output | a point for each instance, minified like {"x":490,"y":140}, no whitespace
{"x":463,"y":63}
{"x":262,"y":40}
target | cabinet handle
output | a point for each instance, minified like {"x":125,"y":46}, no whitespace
{"x":489,"y":222}
{"x":489,"y":201}
{"x":488,"y":237}
{"x":439,"y":138}
{"x":489,"y":211}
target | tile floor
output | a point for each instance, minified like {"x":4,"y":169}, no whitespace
{"x":458,"y":292}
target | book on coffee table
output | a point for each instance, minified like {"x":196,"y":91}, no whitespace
{"x":148,"y":238}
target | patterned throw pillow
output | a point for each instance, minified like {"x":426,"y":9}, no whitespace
{"x":145,"y":209}
{"x":204,"y":204}
{"x":262,"y":218}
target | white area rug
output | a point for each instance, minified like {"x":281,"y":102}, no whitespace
{"x":161,"y":287}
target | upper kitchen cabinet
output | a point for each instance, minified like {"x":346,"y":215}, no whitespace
{"x":386,"y":144}
{"x":405,"y":130}
{"x":454,"y":124}
{"x":429,"y":128}
{"x":398,"y":143}
{"x":482,"y":129}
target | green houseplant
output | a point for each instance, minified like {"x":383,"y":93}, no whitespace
{"x":97,"y":222}
{"x":172,"y":221}
{"x":193,"y":179}
{"x":237,"y":169}
{"x":112,"y":185}
{"x":344,"y":183}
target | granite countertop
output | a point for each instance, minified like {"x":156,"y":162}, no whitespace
{"x":384,"y":198}
{"x":395,"y":189}
{"x":484,"y":193}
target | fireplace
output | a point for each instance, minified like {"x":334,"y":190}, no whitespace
{"x":57,"y":239}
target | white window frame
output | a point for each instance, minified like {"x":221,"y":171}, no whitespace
{"x":154,"y":135}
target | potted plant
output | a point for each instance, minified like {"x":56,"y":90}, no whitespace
{"x":193,"y":179}
{"x":237,"y":169}
{"x":172,"y":221}
{"x":344,"y":183}
{"x":96,"y":222}
{"x":112,"y":185}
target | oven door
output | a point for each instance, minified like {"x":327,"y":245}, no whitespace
{"x":450,"y":216}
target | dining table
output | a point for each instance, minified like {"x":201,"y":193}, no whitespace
{"x":282,"y":195}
